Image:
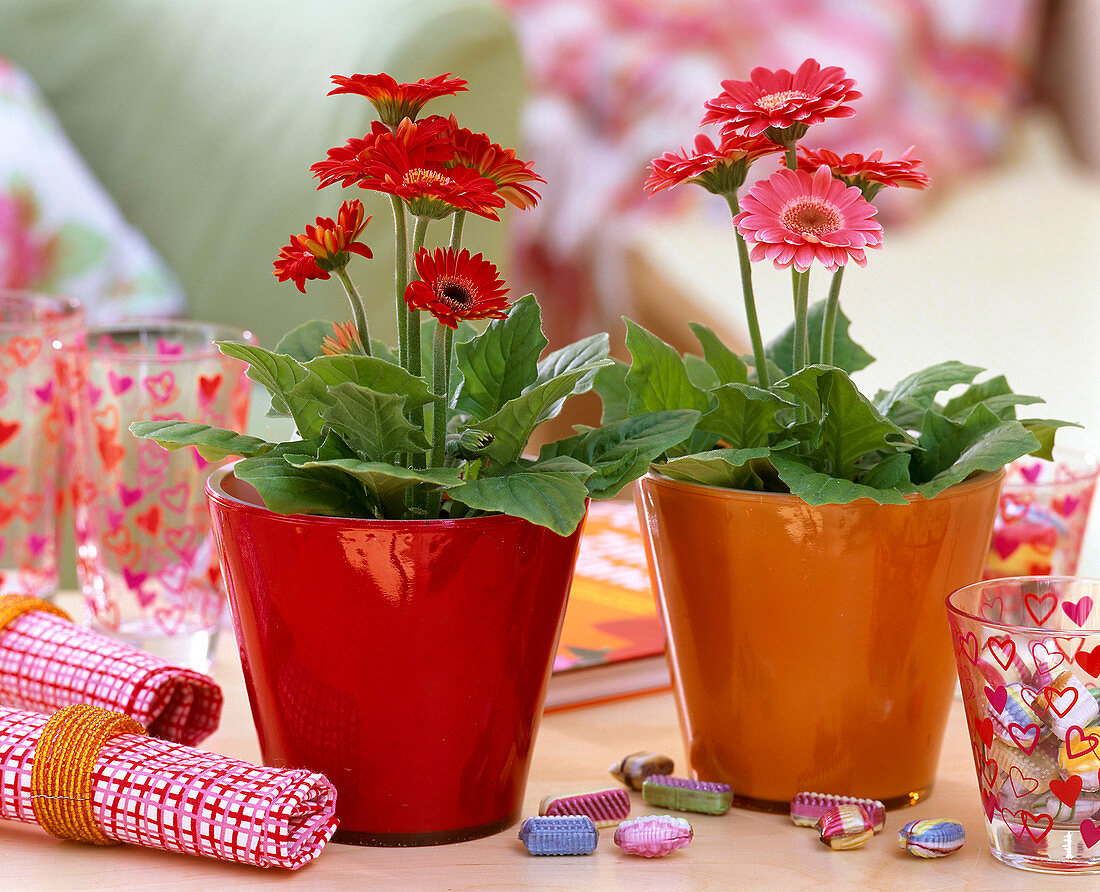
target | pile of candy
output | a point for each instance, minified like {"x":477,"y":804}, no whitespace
{"x":1036,"y":733}
{"x":845,"y":823}
{"x":569,"y":824}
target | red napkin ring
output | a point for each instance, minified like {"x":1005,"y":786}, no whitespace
{"x":62,"y":775}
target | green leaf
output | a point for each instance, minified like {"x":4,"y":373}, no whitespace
{"x":281,"y":375}
{"x":817,"y":488}
{"x":995,"y":394}
{"x":727,"y":365}
{"x":847,"y":354}
{"x":848,"y":426}
{"x":730,"y":468}
{"x":1044,"y":430}
{"x":700,"y":373}
{"x":386,"y":482}
{"x":502,"y":361}
{"x":890,"y":473}
{"x":304,"y":342}
{"x":920,"y":388}
{"x":372,"y":423}
{"x":622,"y":451}
{"x":580,"y":353}
{"x":517,"y":419}
{"x":553,"y":499}
{"x":658,"y":380}
{"x":610,"y":384}
{"x":212,"y":443}
{"x":953,"y":450}
{"x":372,"y":373}
{"x":289,"y":490}
{"x":744,"y":416}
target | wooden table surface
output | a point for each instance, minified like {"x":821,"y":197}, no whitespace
{"x":741,"y":849}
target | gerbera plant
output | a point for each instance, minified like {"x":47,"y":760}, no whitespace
{"x":788,"y":418}
{"x":437,"y":428}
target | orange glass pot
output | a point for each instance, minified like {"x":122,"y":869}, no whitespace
{"x":808,"y":645}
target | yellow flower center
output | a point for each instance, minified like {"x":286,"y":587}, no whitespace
{"x":810,"y":217}
{"x":421,"y":179}
{"x":772,"y":101}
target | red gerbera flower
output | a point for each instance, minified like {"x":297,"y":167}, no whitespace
{"x":324,"y":247}
{"x":794,"y":218}
{"x":868,"y":174}
{"x":719,"y":170}
{"x":477,"y":152}
{"x":394,"y":101}
{"x":412,"y":164}
{"x":344,"y":339}
{"x":455,"y":286}
{"x":783,"y":103}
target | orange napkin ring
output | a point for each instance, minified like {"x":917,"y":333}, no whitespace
{"x":61,"y":780}
{"x":14,"y":606}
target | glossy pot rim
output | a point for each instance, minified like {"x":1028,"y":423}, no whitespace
{"x":215,"y":492}
{"x":959,"y":490}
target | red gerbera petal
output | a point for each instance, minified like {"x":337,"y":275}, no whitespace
{"x":795,"y":218}
{"x":719,"y":169}
{"x":394,"y":101}
{"x":780,"y":100}
{"x":477,"y":152}
{"x":870,"y":173}
{"x":453,"y":285}
{"x":413,"y":164}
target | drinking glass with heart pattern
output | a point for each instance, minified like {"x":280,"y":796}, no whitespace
{"x":147,"y":566}
{"x":1027,"y":651}
{"x":38,"y":334}
{"x":1042,"y":515}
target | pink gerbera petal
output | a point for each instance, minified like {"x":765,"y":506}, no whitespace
{"x":795,"y":218}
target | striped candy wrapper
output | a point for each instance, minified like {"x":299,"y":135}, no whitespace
{"x":48,"y":662}
{"x":165,"y":796}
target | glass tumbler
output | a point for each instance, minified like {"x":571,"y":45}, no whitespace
{"x":1042,"y":515}
{"x":38,"y":336}
{"x":147,"y":566}
{"x":1027,"y":651}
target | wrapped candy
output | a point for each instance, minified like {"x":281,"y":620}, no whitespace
{"x":684,"y":794}
{"x":845,"y":827}
{"x":632,"y":770}
{"x":559,"y":835}
{"x":652,"y":836}
{"x":932,"y":838}
{"x":807,"y":808}
{"x":91,"y":775}
{"x":605,"y":807}
{"x":48,"y":662}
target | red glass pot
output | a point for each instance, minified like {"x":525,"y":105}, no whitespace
{"x":407,"y":661}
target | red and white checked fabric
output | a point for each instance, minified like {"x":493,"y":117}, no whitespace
{"x":165,"y":796}
{"x":47,"y":662}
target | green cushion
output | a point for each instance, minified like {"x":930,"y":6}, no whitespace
{"x":202,"y":117}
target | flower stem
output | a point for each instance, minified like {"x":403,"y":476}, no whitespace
{"x":456,"y":229}
{"x":791,"y":157}
{"x":441,"y":374}
{"x":419,"y":234}
{"x":828,"y":325}
{"x":801,"y":319}
{"x":401,"y":279}
{"x":357,"y":309}
{"x":759,"y":357}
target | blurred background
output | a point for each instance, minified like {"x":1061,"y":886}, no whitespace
{"x":154,"y":157}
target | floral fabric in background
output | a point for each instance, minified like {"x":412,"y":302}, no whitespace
{"x":60,"y":232}
{"x":615,"y":83}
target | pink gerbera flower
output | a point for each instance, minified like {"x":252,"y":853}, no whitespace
{"x":719,"y":169}
{"x":868,"y":174}
{"x":781,"y":103}
{"x":794,"y":218}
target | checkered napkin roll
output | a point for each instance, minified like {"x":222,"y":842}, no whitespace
{"x":47,"y":662}
{"x":165,"y":796}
